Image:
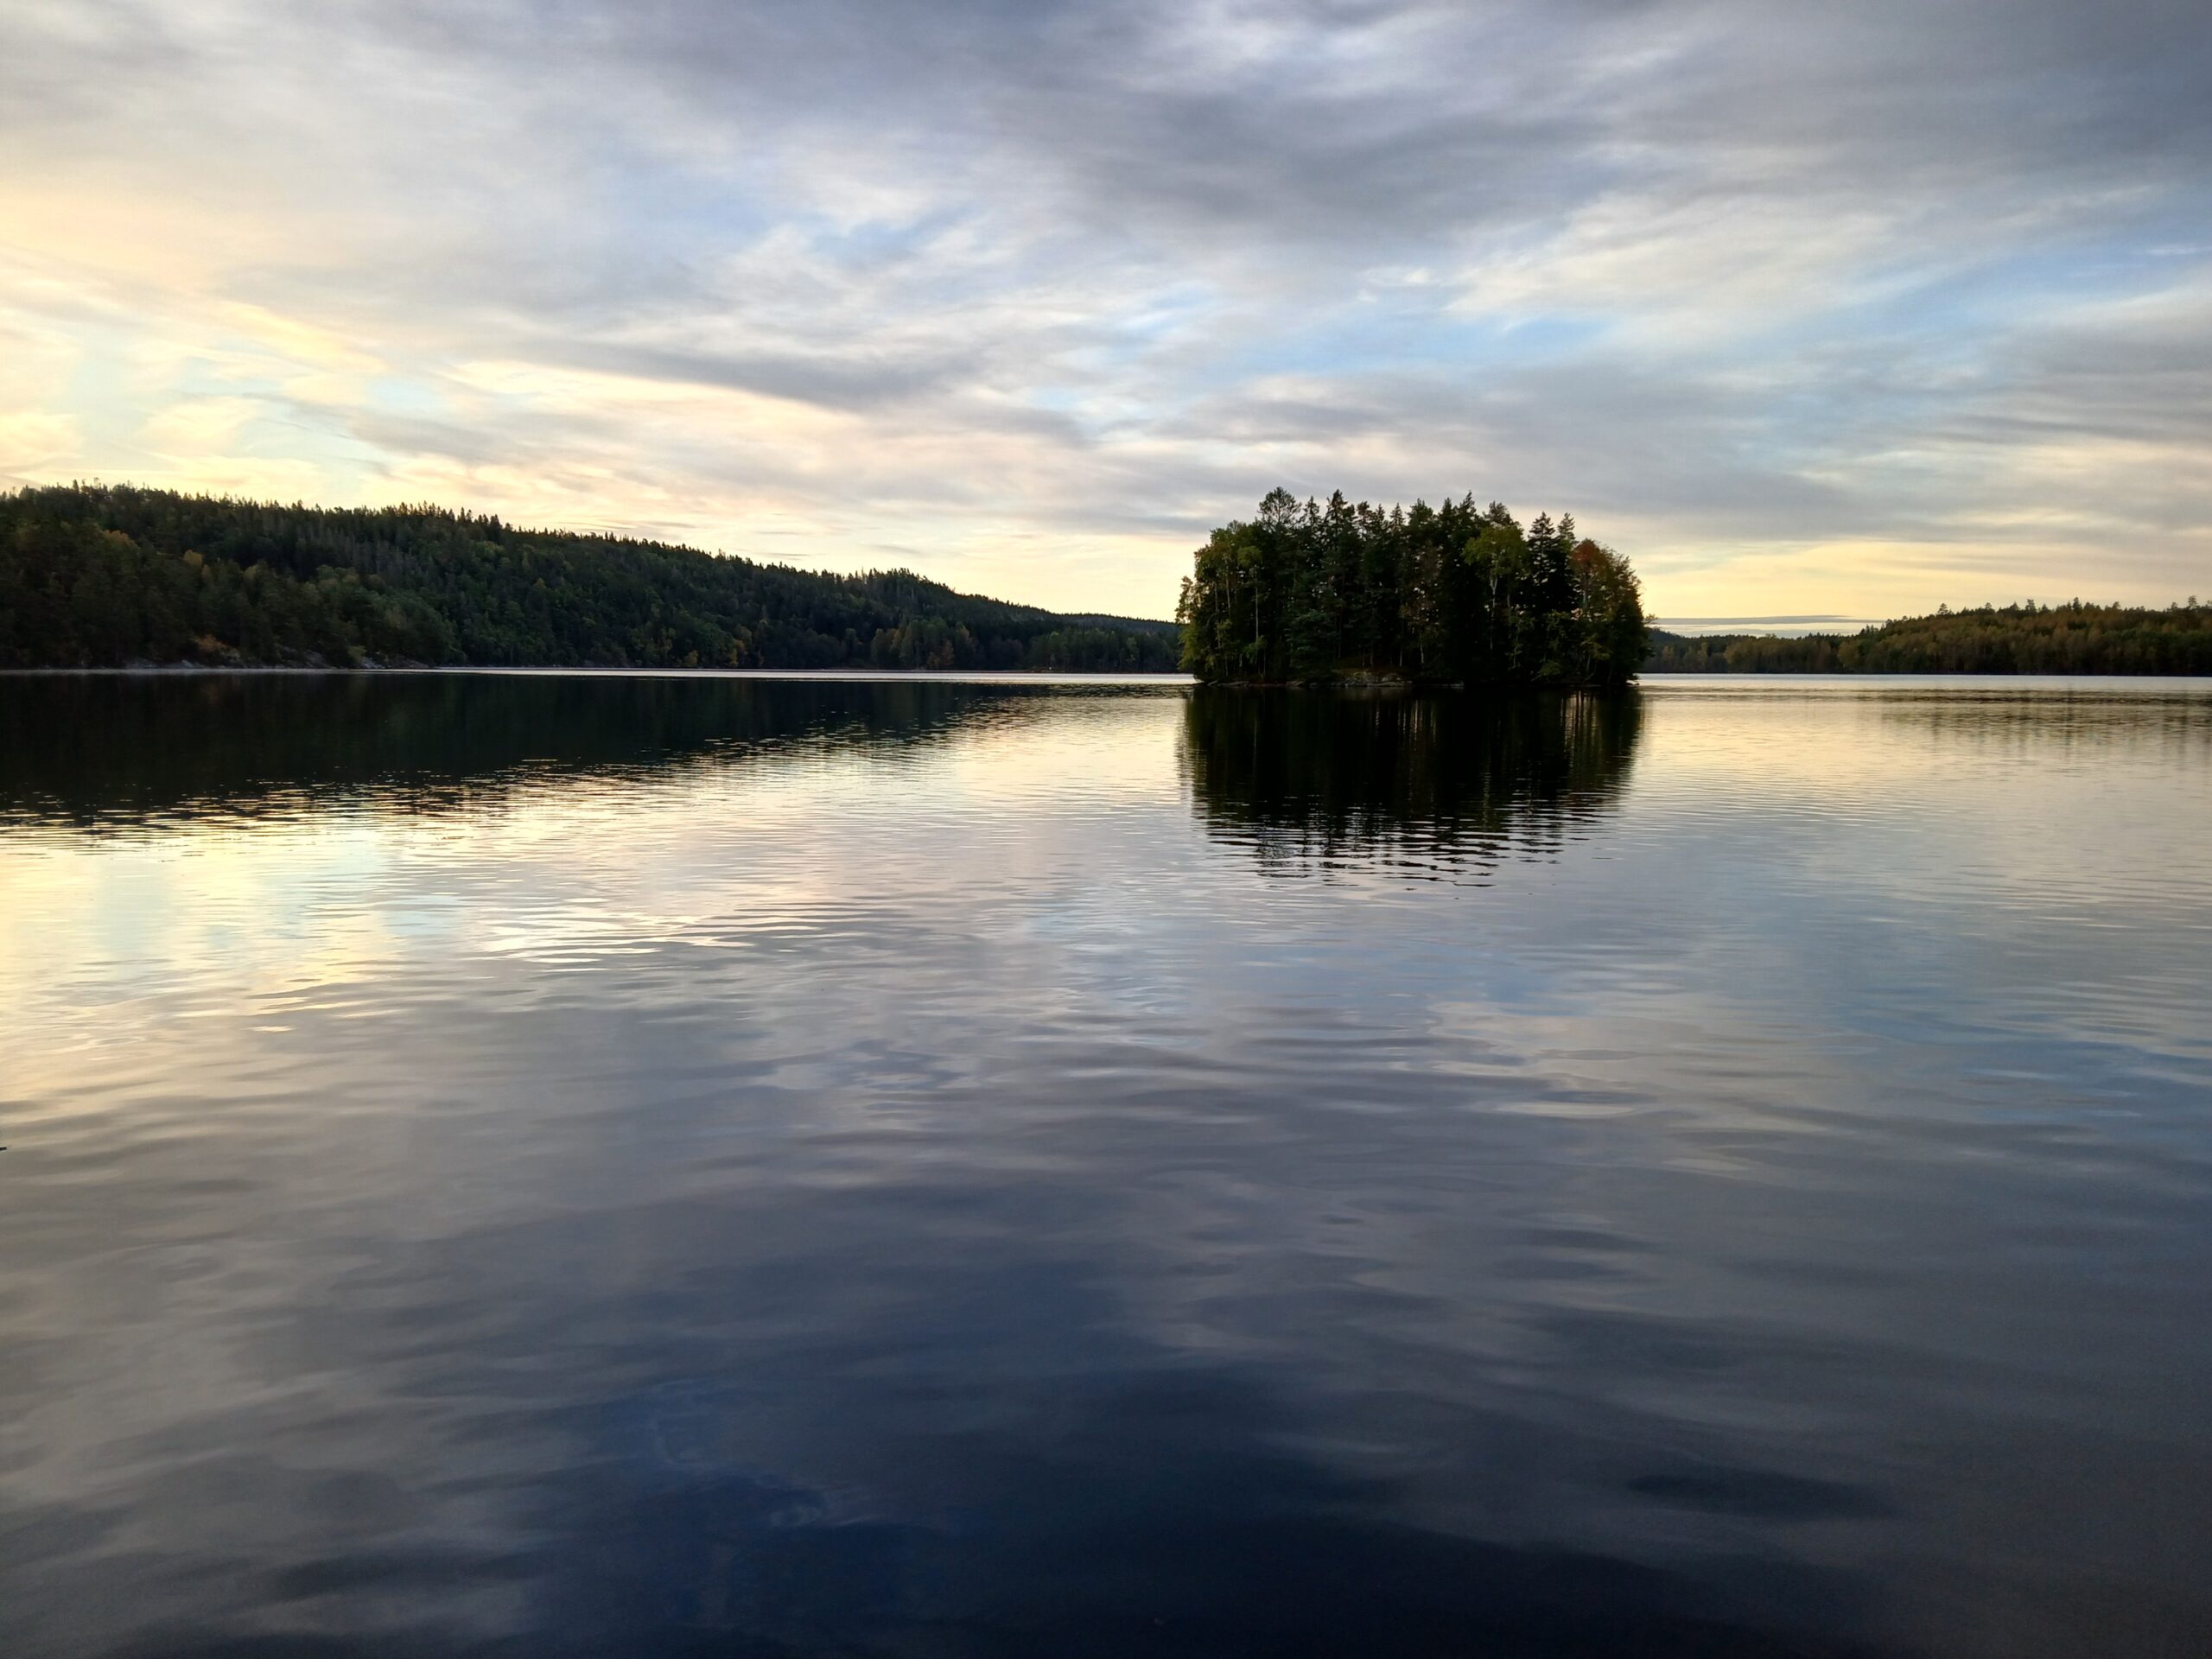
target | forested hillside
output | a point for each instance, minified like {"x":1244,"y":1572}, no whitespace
{"x":107,"y":575}
{"x":2071,"y":639}
{"x":1456,"y":593}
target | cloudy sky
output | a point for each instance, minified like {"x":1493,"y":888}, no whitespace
{"x":1839,"y":310}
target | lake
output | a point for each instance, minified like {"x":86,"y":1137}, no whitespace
{"x":561,"y":1165}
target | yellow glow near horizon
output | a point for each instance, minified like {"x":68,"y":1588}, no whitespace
{"x":297,"y":256}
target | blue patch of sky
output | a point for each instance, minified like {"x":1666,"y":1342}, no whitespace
{"x":1127,"y":339}
{"x":1953,"y":306}
{"x":1366,"y":338}
{"x":868,"y":244}
{"x":392,"y":394}
{"x":648,"y":208}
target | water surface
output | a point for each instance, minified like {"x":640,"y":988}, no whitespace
{"x":566,"y":1165}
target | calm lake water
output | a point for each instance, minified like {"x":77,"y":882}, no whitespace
{"x":561,"y":1165}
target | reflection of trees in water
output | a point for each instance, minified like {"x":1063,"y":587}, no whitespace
{"x":2095,"y":721}
{"x":98,"y":747}
{"x":1434,"y":784}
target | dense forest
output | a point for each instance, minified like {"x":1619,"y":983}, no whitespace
{"x":1456,"y":593}
{"x":100,"y":576}
{"x":2030,"y":638}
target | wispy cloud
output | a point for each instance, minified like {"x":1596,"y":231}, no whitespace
{"x":1838,"y":309}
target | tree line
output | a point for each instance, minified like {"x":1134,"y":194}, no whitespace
{"x":2028,"y":638}
{"x":108,"y":575}
{"x":1455,"y":594}
{"x":1316,"y":781}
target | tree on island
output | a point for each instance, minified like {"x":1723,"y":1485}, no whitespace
{"x":1455,"y":594}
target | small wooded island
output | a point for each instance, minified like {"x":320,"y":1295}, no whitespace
{"x":1452,"y":594}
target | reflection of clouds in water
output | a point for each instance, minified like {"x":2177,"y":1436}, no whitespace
{"x":2008,"y":855}
{"x":261,"y":838}
{"x":933,"y":1351}
{"x":1871,"y":729}
{"x":872,"y":1192}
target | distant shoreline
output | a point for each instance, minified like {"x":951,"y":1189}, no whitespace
{"x":112,"y":576}
{"x":885,"y":676}
{"x":2073,"y":639}
{"x":1656,"y":680}
{"x":114,"y":579}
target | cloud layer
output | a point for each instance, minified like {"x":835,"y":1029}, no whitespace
{"x":1845,"y":309}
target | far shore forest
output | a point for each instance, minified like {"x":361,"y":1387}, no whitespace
{"x":111,"y":575}
{"x":2025,"y":638}
{"x":114,"y":576}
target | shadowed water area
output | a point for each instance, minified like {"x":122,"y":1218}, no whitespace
{"x":541,"y":1164}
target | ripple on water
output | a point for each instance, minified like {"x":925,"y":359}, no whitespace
{"x":553,"y":1165}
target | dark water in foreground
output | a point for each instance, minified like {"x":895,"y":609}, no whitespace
{"x":553,"y":1165}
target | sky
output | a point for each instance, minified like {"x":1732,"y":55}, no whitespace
{"x":1810,"y":310}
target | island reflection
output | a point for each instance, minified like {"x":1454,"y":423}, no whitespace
{"x":1442,"y":785}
